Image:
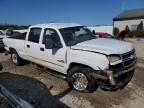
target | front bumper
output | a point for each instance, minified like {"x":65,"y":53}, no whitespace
{"x":119,"y":82}
{"x":119,"y":78}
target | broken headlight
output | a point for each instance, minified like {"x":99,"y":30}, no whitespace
{"x":114,"y":58}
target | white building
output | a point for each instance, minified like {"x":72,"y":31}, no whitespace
{"x":104,"y":29}
{"x":130,"y":18}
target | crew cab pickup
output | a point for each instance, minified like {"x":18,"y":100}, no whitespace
{"x":72,"y":50}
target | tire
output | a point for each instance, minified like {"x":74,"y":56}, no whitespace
{"x":79,"y":78}
{"x":16,"y":58}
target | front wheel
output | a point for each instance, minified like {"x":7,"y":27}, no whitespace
{"x":79,"y":78}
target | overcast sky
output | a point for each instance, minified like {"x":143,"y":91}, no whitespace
{"x":88,"y":12}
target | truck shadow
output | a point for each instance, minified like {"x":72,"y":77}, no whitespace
{"x":32,"y":91}
{"x":138,"y":77}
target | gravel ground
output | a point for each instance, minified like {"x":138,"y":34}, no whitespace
{"x":43,"y":90}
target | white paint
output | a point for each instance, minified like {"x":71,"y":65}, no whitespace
{"x":2,"y":35}
{"x":91,"y":56}
{"x":21,"y":31}
{"x":106,"y":46}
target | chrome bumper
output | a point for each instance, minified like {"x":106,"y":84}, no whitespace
{"x":124,"y":71}
{"x":112,"y":77}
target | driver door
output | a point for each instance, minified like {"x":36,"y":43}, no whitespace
{"x":53,"y":58}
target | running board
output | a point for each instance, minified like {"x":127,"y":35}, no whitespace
{"x":52,"y":72}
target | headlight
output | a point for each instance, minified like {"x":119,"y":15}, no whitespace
{"x":113,"y":58}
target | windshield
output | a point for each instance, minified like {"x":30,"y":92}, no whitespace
{"x":75,"y":35}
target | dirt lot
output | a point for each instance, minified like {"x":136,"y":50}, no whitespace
{"x":45,"y":91}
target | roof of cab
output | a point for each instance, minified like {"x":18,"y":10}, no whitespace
{"x":56,"y":25}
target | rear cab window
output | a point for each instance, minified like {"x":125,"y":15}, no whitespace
{"x":34,"y":35}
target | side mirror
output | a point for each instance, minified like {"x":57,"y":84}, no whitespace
{"x":1,"y":67}
{"x":50,"y":44}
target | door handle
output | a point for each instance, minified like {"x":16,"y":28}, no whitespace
{"x":28,"y":46}
{"x":42,"y":49}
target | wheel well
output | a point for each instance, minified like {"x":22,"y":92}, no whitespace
{"x":77,"y":64}
{"x":11,"y":49}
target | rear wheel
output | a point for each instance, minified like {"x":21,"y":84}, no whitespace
{"x":15,"y":58}
{"x":80,"y":79}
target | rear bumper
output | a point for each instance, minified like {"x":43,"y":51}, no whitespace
{"x":1,"y":67}
{"x":119,"y":79}
{"x":1,"y":44}
{"x":2,"y":48}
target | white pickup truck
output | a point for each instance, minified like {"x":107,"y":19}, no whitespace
{"x":72,"y":50}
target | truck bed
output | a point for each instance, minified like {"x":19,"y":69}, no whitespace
{"x":21,"y":37}
{"x":17,"y":43}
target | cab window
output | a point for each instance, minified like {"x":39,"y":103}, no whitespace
{"x":34,"y":35}
{"x":51,"y":33}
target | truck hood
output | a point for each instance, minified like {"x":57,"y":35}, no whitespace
{"x":105,"y":46}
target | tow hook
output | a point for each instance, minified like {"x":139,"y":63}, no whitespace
{"x":110,"y":76}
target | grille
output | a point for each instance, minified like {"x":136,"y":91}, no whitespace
{"x":128,"y":58}
{"x":129,"y":62}
{"x":128,"y":55}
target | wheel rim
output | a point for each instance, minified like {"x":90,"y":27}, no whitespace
{"x":79,"y":81}
{"x":14,"y":58}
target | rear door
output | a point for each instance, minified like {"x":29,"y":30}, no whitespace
{"x":32,"y":46}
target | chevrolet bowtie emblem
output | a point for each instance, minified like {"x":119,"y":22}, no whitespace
{"x":132,"y":56}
